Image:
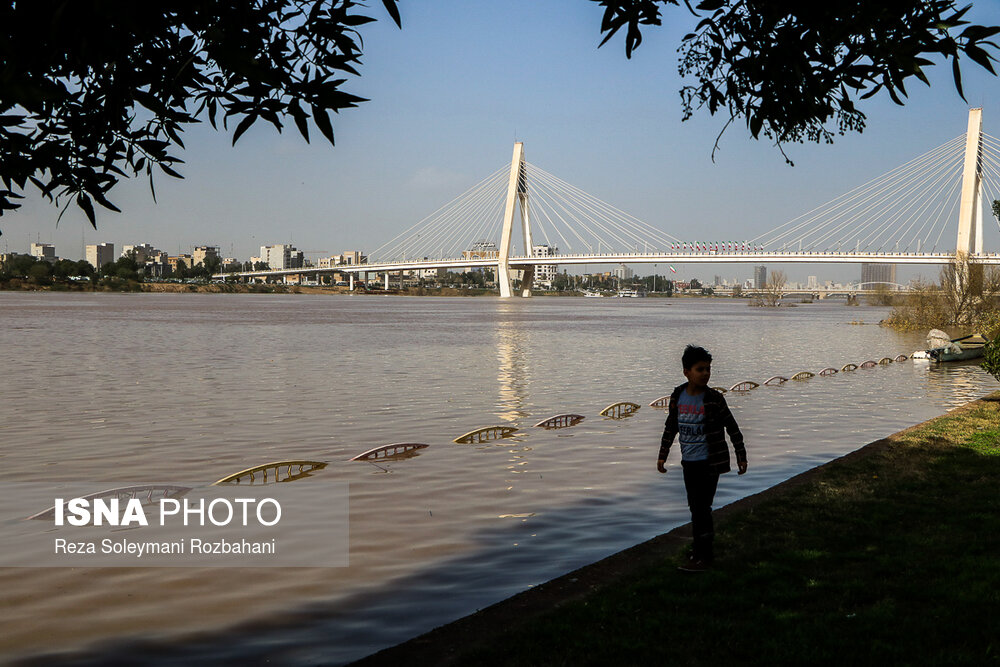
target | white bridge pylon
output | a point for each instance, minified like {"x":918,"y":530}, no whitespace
{"x":517,"y":195}
{"x":970,"y":216}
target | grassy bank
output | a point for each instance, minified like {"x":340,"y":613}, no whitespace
{"x":890,"y":555}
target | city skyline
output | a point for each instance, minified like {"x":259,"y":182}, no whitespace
{"x":99,"y":254}
{"x":445,"y":107}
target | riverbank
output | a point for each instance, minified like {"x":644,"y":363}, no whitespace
{"x":18,"y":285}
{"x":888,"y":555}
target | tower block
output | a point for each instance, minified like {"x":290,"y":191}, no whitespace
{"x":970,"y":213}
{"x":517,"y":195}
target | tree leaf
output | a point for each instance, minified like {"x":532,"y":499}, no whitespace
{"x":322,"y":120}
{"x":957,"y":73}
{"x":244,"y":126}
{"x":390,"y":6}
{"x":84,"y":202}
{"x":300,"y":118}
{"x":170,"y":172}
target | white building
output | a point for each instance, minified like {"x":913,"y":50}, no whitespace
{"x":44,"y":251}
{"x":281,"y":256}
{"x":348,"y":258}
{"x":202,"y":253}
{"x":811,"y":282}
{"x":623,"y":272}
{"x":140,"y":252}
{"x":100,"y":254}
{"x":544,"y":273}
{"x":432,"y":274}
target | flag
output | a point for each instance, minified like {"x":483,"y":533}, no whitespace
{"x":672,"y":269}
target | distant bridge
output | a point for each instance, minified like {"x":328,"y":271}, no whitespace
{"x":898,"y":218}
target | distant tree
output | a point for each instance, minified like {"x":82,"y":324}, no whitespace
{"x":474,"y":278}
{"x":737,"y":290}
{"x":19,"y":266}
{"x":770,"y":295}
{"x":198,"y":271}
{"x":212,"y":265}
{"x":968,"y":289}
{"x":967,"y":296}
{"x":695,"y":283}
{"x":655,"y":283}
{"x":561,"y":282}
{"x":996,"y":209}
{"x":63,"y":268}
{"x":40,"y":273}
{"x":124,"y":268}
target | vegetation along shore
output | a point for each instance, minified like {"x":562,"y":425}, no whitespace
{"x":888,"y":555}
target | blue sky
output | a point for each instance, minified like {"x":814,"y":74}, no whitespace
{"x":451,"y":91}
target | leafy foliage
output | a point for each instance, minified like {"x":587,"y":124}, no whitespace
{"x":967,"y":296}
{"x":92,"y":91}
{"x":793,"y":71}
{"x":991,"y":358}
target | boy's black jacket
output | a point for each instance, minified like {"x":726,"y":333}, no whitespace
{"x":717,"y":418}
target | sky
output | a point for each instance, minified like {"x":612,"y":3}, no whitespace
{"x":450,"y":93}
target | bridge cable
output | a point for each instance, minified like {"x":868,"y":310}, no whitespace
{"x":878,"y":188}
{"x":406,"y":234}
{"x":587,"y":211}
{"x":622,"y":220}
{"x":877,"y":193}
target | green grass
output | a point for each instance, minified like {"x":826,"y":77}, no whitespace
{"x":890,"y":559}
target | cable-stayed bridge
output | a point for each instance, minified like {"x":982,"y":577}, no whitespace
{"x":513,"y":219}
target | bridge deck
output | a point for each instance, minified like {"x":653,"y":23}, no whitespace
{"x":636,"y":258}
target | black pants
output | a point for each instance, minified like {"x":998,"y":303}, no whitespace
{"x":700,"y":482}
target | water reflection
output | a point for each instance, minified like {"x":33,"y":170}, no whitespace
{"x":950,"y":384}
{"x":512,"y":366}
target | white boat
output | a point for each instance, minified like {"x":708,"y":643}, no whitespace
{"x":631,"y":293}
{"x":592,"y":294}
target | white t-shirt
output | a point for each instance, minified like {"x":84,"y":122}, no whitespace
{"x":691,"y":426}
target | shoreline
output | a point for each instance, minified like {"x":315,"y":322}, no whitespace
{"x":277,"y":288}
{"x":474,"y":635}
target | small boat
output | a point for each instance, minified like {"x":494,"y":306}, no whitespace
{"x":592,"y":294}
{"x":631,"y":293}
{"x":956,"y":349}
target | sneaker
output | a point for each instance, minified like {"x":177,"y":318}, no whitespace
{"x":694,"y":565}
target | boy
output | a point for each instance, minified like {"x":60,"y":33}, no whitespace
{"x":699,"y":413}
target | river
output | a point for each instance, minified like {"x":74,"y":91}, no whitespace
{"x":110,"y":387}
